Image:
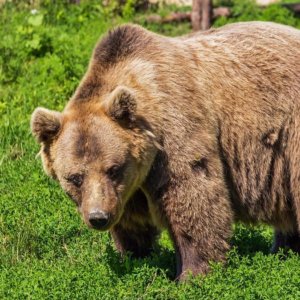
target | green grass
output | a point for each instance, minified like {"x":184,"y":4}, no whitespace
{"x":46,"y":252}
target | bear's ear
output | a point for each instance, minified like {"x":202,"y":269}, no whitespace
{"x":45,"y":124}
{"x":121,"y":105}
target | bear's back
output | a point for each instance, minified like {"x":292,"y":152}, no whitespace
{"x":263,"y":33}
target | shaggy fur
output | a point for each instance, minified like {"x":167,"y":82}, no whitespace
{"x":189,"y":134}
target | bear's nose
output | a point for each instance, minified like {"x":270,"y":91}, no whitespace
{"x":98,"y":219}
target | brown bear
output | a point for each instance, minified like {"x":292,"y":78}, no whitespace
{"x":189,"y":134}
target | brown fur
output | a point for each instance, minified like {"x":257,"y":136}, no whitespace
{"x":189,"y":134}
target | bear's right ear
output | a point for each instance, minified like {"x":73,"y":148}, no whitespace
{"x":45,"y":124}
{"x":121,"y":105}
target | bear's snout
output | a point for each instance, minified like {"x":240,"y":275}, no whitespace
{"x":99,"y":219}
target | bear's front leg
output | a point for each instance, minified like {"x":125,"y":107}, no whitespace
{"x":286,"y":241}
{"x":135,"y":232}
{"x":199,"y":217}
{"x":138,"y":241}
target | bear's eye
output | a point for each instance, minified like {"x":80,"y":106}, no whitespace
{"x":114,"y":172}
{"x":76,"y":179}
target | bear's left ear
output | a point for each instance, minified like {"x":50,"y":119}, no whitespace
{"x":121,"y":105}
{"x":45,"y":124}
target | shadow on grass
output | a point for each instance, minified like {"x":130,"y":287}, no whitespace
{"x":251,"y":239}
{"x":246,"y":240}
{"x":161,"y":259}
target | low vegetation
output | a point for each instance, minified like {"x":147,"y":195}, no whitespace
{"x":46,"y":252}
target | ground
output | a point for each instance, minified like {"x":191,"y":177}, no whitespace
{"x":46,"y":252}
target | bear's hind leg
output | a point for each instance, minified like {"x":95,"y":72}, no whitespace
{"x":135,"y":232}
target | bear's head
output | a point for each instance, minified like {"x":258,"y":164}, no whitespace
{"x":99,"y":151}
